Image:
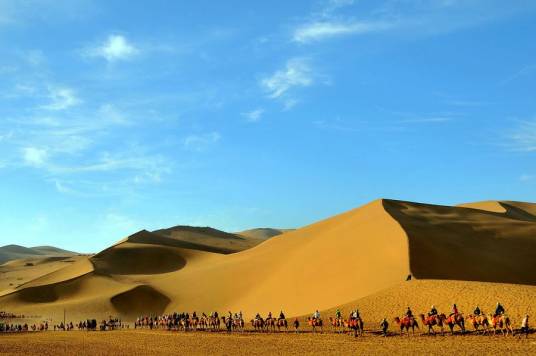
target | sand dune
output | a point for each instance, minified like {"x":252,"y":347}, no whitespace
{"x":358,"y":254}
{"x":14,"y":252}
{"x":208,"y":239}
{"x":421,"y":294}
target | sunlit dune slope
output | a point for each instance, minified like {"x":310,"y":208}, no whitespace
{"x":335,"y":260}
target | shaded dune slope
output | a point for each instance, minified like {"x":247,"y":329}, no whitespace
{"x":468,"y":244}
{"x":263,"y":233}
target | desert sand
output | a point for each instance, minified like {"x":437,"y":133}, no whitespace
{"x":475,"y":254}
{"x":168,"y":343}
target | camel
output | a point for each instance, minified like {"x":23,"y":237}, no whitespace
{"x":431,"y":321}
{"x":479,"y":321}
{"x":270,"y":324}
{"x":258,"y":324}
{"x":356,"y":325}
{"x":453,"y":320}
{"x":406,"y":323}
{"x":314,"y":323}
{"x":239,"y":324}
{"x":282,"y":323}
{"x":337,"y":324}
{"x":501,"y":322}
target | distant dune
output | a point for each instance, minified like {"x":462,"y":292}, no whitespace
{"x":362,"y":256}
{"x":208,"y":239}
{"x":13,"y":252}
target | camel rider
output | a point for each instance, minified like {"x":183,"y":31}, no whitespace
{"x":258,"y":316}
{"x":215,"y":314}
{"x":356,"y":314}
{"x":455,"y":310}
{"x":409,"y":313}
{"x":194,"y":315}
{"x":316,"y":315}
{"x":338,"y":314}
{"x":230,"y":315}
{"x":433,"y":311}
{"x":240,"y":315}
{"x":499,"y":309}
{"x":281,"y":316}
{"x":269,"y":316}
{"x":477,"y":311}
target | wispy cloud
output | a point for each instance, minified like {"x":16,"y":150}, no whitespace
{"x":61,"y":98}
{"x":523,"y":137}
{"x":254,"y":115}
{"x":424,"y":120}
{"x":523,"y":72}
{"x":297,"y":73}
{"x":115,"y":48}
{"x":320,"y":30}
{"x":200,"y":142}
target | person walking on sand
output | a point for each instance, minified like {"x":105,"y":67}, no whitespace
{"x":296,"y":325}
{"x":525,"y":326}
{"x":385,"y":326}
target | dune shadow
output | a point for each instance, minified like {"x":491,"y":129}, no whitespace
{"x":140,"y":300}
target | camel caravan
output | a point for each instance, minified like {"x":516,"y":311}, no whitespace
{"x":481,"y":323}
{"x":433,"y":322}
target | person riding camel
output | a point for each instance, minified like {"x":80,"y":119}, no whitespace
{"x":356,"y":314}
{"x":269,"y":316}
{"x":433,"y":311}
{"x":240,"y":316}
{"x":194,"y":315}
{"x":409,"y":313}
{"x":316,"y":315}
{"x":499,"y":310}
{"x":338,"y":314}
{"x":477,"y":311}
{"x":258,"y":317}
{"x":281,"y":316}
{"x":455,"y":311}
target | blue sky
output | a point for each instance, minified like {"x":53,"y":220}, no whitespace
{"x":119,"y":115}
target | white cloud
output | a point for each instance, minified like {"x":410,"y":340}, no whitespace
{"x":115,"y":48}
{"x":34,"y":156}
{"x":321,"y":30}
{"x":297,"y":73}
{"x":254,"y":115}
{"x":61,"y":98}
{"x":200,"y":142}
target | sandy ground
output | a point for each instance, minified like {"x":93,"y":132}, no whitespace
{"x":164,"y":343}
